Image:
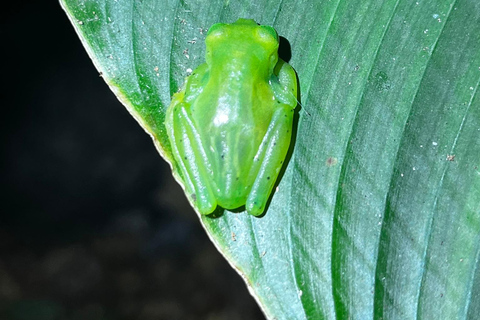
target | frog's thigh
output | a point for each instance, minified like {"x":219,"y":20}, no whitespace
{"x":191,"y":156}
{"x":275,"y":146}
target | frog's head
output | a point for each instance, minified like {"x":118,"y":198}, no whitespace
{"x":243,"y":42}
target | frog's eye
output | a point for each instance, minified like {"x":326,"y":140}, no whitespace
{"x":216,"y":30}
{"x":268,"y":35}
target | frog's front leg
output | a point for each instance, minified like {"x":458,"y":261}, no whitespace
{"x":192,"y":159}
{"x":272,"y":153}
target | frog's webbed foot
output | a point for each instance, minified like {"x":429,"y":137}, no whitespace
{"x":272,"y":152}
{"x":191,"y":157}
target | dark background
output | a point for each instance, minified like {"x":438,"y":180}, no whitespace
{"x":92,"y":224}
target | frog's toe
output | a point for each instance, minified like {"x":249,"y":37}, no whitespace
{"x":255,"y":207}
{"x":204,"y":205}
{"x":207,"y":209}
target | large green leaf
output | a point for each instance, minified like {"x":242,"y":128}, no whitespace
{"x":377,"y":215}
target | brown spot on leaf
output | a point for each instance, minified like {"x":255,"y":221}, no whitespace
{"x":331,"y":161}
{"x":450,"y":157}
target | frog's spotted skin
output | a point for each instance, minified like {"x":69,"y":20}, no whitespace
{"x":230,"y":126}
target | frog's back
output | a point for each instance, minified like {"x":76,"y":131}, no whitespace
{"x":232,"y":128}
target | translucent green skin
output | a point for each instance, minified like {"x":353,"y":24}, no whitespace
{"x":230,"y":126}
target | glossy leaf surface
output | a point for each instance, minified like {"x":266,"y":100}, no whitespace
{"x":377,"y":215}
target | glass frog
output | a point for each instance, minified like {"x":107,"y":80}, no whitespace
{"x":230,"y":126}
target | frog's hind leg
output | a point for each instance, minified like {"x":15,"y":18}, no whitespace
{"x":191,"y":158}
{"x":271,"y":155}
